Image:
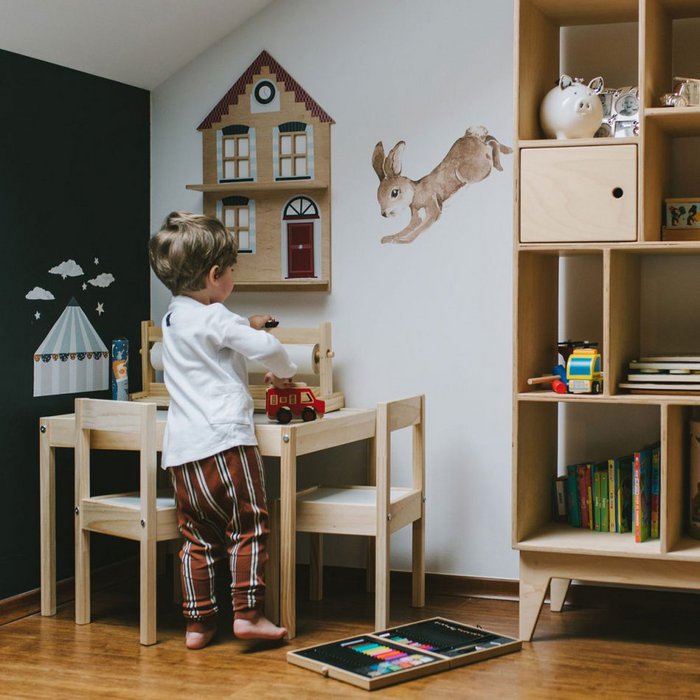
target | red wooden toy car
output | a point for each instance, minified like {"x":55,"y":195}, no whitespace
{"x":284,"y":404}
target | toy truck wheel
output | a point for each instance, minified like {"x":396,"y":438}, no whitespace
{"x":308,"y":414}
{"x":284,"y":416}
{"x":595,"y":388}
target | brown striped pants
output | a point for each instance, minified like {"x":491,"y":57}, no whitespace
{"x":222,"y":511}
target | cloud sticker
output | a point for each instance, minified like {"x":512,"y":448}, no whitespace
{"x":68,"y":268}
{"x":103,"y":280}
{"x":40,"y":294}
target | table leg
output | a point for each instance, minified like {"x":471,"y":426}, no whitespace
{"x":288,"y":509}
{"x":47,"y":510}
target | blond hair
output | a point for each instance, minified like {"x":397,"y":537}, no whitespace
{"x":187,"y":247}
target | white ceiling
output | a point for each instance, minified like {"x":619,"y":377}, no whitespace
{"x":138,"y":42}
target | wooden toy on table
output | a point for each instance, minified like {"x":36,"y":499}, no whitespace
{"x":295,"y":402}
{"x":310,"y":348}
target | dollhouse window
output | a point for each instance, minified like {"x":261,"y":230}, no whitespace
{"x":238,"y":215}
{"x":293,"y":151}
{"x":236,"y":153}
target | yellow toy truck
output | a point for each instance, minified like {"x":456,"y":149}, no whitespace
{"x":583,"y":371}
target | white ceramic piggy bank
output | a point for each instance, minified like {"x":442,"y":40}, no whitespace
{"x":572,"y":110}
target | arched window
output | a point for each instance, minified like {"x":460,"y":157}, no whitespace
{"x":301,"y":208}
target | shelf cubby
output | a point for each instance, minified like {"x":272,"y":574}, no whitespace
{"x":561,"y":296}
{"x":670,"y":39}
{"x":551,"y":435}
{"x":549,"y":33}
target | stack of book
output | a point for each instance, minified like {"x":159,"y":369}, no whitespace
{"x":664,"y":374}
{"x":617,"y":495}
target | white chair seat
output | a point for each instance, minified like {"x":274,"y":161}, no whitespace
{"x":352,"y":510}
{"x":133,"y":500}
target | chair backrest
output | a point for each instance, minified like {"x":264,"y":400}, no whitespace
{"x":122,"y":417}
{"x":392,"y":416}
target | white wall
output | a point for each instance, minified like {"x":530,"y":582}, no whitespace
{"x":434,"y":316}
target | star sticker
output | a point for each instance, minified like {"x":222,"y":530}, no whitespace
{"x":97,"y":261}
{"x":100,"y":308}
{"x":84,"y":286}
{"x":37,"y":315}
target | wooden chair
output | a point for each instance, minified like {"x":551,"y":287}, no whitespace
{"x":145,"y":516}
{"x":376,"y":511}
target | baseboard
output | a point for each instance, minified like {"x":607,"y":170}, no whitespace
{"x":435,"y":584}
{"x":29,"y":603}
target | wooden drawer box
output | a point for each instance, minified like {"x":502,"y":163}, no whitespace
{"x":578,"y":194}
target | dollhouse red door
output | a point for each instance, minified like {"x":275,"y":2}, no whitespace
{"x":300,"y":249}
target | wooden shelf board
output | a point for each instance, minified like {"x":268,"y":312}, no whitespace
{"x":567,"y":13}
{"x":251,"y":188}
{"x":651,"y":399}
{"x":681,"y":9}
{"x":686,"y":548}
{"x":677,"y":121}
{"x":641,"y":248}
{"x":571,"y":540}
{"x":564,"y":143}
{"x":281,"y":285}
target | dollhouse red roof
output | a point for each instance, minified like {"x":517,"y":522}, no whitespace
{"x":238,"y":88}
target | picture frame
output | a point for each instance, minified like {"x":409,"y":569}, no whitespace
{"x":620,"y":112}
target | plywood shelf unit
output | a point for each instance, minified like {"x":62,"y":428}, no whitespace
{"x":583,"y":266}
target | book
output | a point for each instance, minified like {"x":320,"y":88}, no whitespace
{"x":572,"y":504}
{"x":655,"y":490}
{"x":641,"y":495}
{"x":612,"y":516}
{"x":623,"y":493}
{"x":583,"y":495}
{"x":603,"y":471}
{"x":589,"y":494}
{"x":595,"y":476}
{"x":559,"y":499}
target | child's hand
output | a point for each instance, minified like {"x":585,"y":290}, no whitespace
{"x":278,"y":382}
{"x":259,"y":320}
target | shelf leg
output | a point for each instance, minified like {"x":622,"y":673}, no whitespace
{"x":558,"y":588}
{"x":533,"y":587}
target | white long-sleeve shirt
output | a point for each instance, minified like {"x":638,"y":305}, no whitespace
{"x":205,"y":347}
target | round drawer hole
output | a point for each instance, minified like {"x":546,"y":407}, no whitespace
{"x":618,"y":192}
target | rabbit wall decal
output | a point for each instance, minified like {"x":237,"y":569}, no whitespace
{"x":469,"y":160}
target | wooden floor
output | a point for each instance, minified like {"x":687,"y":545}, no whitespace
{"x":612,"y":643}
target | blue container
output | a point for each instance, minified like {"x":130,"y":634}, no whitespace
{"x":120,"y":369}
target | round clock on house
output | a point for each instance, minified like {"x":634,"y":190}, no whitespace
{"x":264,"y":92}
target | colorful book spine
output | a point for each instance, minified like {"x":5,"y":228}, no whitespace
{"x":604,"y":525}
{"x":624,"y":488}
{"x":595,"y":476}
{"x":589,"y":494}
{"x":573,"y":504}
{"x":655,"y":491}
{"x":612,"y":519}
{"x":583,"y":495}
{"x":642,"y":495}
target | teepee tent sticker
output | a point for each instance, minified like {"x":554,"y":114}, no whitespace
{"x":72,"y":358}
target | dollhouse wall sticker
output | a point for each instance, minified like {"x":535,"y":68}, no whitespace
{"x":266,"y":175}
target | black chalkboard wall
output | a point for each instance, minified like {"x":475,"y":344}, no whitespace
{"x":74,"y":186}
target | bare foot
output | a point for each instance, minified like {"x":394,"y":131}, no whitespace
{"x":258,"y":627}
{"x":200,"y":632}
